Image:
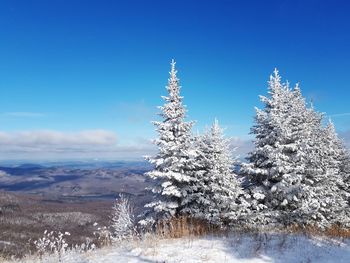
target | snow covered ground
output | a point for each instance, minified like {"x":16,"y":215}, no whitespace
{"x":252,"y":248}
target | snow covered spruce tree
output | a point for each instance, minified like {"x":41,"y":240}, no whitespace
{"x":321,"y":198}
{"x":293,"y":172}
{"x":341,"y":157}
{"x":173,"y":165}
{"x":217,"y":193}
{"x":326,"y":197}
{"x":273,"y":170}
{"x":345,"y":172}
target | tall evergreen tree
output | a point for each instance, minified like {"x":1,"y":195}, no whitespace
{"x":326,"y":201}
{"x":217,"y":193}
{"x":345,"y":172}
{"x":294,"y":169}
{"x":173,"y":165}
{"x":342,"y":156}
{"x":275,"y":182}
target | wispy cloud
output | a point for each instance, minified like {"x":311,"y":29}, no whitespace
{"x":340,"y":114}
{"x":23,"y":114}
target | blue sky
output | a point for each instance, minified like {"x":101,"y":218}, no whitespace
{"x":79,"y":76}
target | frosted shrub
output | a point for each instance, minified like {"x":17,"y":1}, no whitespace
{"x":122,"y":220}
{"x":52,"y":242}
{"x":84,"y":247}
{"x":103,"y":235}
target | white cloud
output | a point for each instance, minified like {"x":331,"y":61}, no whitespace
{"x":46,"y":138}
{"x":50,"y":144}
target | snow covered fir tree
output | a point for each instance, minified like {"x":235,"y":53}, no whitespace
{"x":297,"y":173}
{"x":293,"y":172}
{"x":173,"y":165}
{"x":217,"y":193}
{"x":330,"y":182}
{"x":193,"y":175}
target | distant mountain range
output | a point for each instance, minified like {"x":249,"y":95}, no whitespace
{"x":58,"y":180}
{"x":73,"y":164}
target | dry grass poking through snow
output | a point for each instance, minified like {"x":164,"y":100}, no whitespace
{"x":186,"y":227}
{"x":334,"y":231}
{"x":191,"y":227}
